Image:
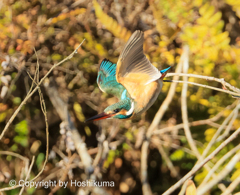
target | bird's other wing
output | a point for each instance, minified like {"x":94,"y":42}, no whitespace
{"x":106,"y":79}
{"x":134,"y":70}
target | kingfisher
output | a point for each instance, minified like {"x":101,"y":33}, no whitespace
{"x":133,"y":80}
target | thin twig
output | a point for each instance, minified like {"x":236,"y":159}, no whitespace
{"x":158,"y":117}
{"x":200,"y":165}
{"x":180,"y":126}
{"x":44,"y":111}
{"x":184,"y":106}
{"x":14,"y":154}
{"x":199,"y":122}
{"x":18,"y":156}
{"x":206,"y":150}
{"x":209,"y":87}
{"x":31,"y":92}
{"x":64,"y":174}
{"x":28,"y":173}
{"x":62,"y":110}
{"x":232,"y":186}
{"x":154,"y":124}
{"x":219,"y":162}
{"x":229,"y":127}
{"x":227,"y":169}
{"x":208,"y":78}
{"x":174,"y":172}
{"x":175,"y":146}
{"x":145,"y":185}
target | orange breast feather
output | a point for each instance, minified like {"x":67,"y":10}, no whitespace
{"x":144,"y":95}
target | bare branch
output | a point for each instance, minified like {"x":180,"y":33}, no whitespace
{"x":200,"y":165}
{"x":227,"y":169}
{"x":28,"y":173}
{"x":209,"y":87}
{"x":219,"y":162}
{"x":232,"y":186}
{"x":154,"y":124}
{"x":208,"y":78}
{"x":145,"y":185}
{"x":206,"y":150}
{"x":184,"y":105}
{"x":31,"y":92}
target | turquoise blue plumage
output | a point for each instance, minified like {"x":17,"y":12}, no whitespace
{"x":106,"y":79}
{"x":134,"y":80}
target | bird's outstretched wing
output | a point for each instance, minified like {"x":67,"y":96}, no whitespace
{"x":106,"y":79}
{"x":134,"y":70}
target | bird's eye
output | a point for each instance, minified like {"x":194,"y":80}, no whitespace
{"x":117,"y":110}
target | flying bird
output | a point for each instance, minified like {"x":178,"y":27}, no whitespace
{"x":133,"y":80}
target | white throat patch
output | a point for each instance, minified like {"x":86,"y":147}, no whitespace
{"x":131,"y":109}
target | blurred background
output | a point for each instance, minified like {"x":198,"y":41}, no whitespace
{"x":55,"y":28}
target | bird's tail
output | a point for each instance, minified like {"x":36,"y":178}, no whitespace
{"x":164,"y":72}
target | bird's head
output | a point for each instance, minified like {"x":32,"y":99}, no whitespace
{"x":121,"y":110}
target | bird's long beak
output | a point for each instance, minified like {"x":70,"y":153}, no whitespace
{"x":99,"y":117}
{"x":164,"y":72}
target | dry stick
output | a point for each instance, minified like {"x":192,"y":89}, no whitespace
{"x":184,"y":106}
{"x":17,"y":186}
{"x":227,"y":130}
{"x":100,"y":151}
{"x":227,"y":169}
{"x":206,"y":150}
{"x":209,"y":87}
{"x":80,"y":146}
{"x":180,"y":126}
{"x":18,"y":156}
{"x":175,"y":146}
{"x":219,"y":162}
{"x":43,"y":107}
{"x":200,"y":165}
{"x":62,"y":110}
{"x":154,"y":124}
{"x":144,"y":178}
{"x":174,"y":172}
{"x":199,"y":122}
{"x":44,"y":111}
{"x":158,"y":117}
{"x":30,"y":168}
{"x":64,"y":174}
{"x":31,"y":92}
{"x":14,"y":154}
{"x":224,"y":83}
{"x":232,"y":186}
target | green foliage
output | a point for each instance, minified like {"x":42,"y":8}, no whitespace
{"x":206,"y":38}
{"x":39,"y":160}
{"x":110,"y":158}
{"x":17,"y":100}
{"x":177,"y":155}
{"x":110,"y":23}
{"x":55,"y":28}
{"x":200,"y":176}
{"x":22,"y":133}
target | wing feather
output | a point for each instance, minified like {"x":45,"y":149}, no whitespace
{"x":133,"y":60}
{"x":134,"y":71}
{"x":106,"y":79}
